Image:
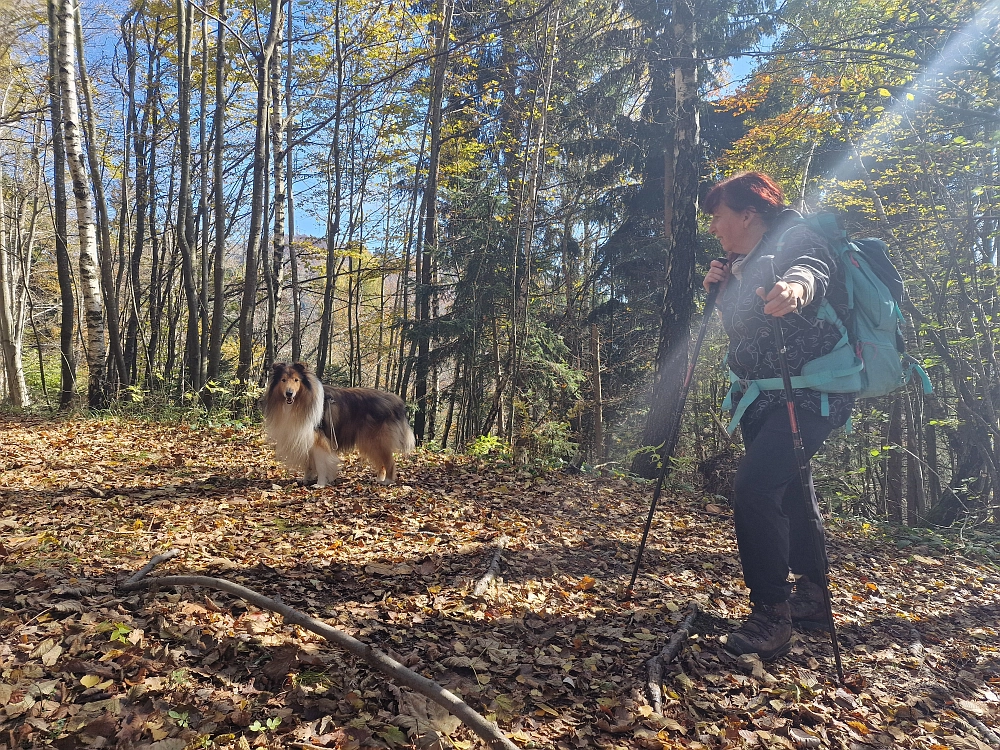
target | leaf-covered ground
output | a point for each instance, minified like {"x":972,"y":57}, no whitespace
{"x":552,"y":650}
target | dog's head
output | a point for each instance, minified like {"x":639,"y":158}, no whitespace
{"x":288,"y":381}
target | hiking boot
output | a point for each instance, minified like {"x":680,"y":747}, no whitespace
{"x":766,"y":632}
{"x":807,"y":605}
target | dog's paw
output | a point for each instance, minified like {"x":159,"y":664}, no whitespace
{"x":318,"y":486}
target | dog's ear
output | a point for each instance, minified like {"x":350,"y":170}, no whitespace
{"x":277,"y":368}
{"x":301,"y":367}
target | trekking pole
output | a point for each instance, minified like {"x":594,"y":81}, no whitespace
{"x":803,"y":462}
{"x":675,"y":425}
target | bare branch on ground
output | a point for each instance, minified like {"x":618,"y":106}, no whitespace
{"x":489,"y":732}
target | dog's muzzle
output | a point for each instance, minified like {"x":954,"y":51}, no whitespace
{"x":289,"y":397}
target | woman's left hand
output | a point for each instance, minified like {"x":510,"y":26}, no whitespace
{"x":783,"y":298}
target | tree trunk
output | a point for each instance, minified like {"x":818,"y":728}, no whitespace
{"x":332,"y":238}
{"x":185,"y":212}
{"x":894,"y":466}
{"x":67,"y":358}
{"x":435,"y":116}
{"x":90,"y":267}
{"x":931,"y":451}
{"x":681,"y":250}
{"x":333,"y":207}
{"x":17,"y":390}
{"x":103,"y":222}
{"x":916,"y":501}
{"x":157,"y":299}
{"x":203,"y":211}
{"x":218,"y":270}
{"x":293,"y":261}
{"x":257,"y":208}
{"x":276,"y":261}
{"x":595,"y":358}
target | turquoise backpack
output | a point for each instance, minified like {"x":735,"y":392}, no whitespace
{"x":870,"y":359}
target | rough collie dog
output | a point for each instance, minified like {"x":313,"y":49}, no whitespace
{"x":310,"y":423}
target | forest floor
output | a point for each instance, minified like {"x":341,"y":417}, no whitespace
{"x":552,"y":650}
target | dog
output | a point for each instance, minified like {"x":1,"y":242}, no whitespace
{"x":310,"y":424}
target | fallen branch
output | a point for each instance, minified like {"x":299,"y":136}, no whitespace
{"x":130,"y":584}
{"x":988,"y":734}
{"x":656,"y":664}
{"x":487,"y":730}
{"x":491,"y":572}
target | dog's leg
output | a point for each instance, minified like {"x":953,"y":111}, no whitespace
{"x":328,"y":464}
{"x":381,"y":461}
{"x":310,"y":474}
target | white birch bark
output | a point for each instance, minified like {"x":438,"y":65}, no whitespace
{"x":10,"y":316}
{"x":17,"y":390}
{"x":90,"y":270}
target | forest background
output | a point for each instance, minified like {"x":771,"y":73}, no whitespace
{"x":491,"y":209}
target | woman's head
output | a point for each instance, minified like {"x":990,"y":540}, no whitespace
{"x":743,"y":207}
{"x":747,"y":190}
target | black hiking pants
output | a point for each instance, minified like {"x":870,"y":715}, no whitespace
{"x":778,"y":529}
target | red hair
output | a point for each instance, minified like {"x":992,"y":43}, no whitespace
{"x":746,"y":190}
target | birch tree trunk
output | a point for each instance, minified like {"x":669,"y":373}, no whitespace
{"x":275,"y":276}
{"x":101,"y":206}
{"x":67,"y":322}
{"x":17,"y":390}
{"x":293,"y":262}
{"x":90,"y":267}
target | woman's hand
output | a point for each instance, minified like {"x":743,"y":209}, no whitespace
{"x":718,"y":273}
{"x":783,"y":298}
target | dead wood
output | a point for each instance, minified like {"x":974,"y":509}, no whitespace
{"x":491,"y":572}
{"x":488,"y":731}
{"x":655,"y":666}
{"x":987,"y":734}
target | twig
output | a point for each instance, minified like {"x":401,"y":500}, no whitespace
{"x":133,"y":581}
{"x":656,"y":664}
{"x":723,"y":430}
{"x":104,"y":530}
{"x":491,"y":573}
{"x":379,"y":660}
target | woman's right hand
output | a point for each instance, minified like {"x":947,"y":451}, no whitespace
{"x":718,"y":273}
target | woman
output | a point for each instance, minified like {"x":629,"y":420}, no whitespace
{"x":773,"y":517}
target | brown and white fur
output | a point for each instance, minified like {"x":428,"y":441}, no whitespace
{"x":310,"y":423}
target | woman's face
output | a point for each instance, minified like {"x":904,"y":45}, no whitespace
{"x":734,"y":229}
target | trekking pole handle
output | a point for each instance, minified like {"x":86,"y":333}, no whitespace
{"x":715,"y":288}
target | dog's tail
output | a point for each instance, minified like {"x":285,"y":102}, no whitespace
{"x":407,"y":442}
